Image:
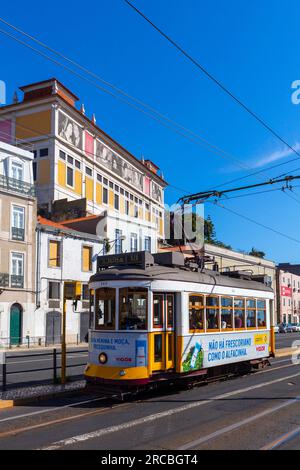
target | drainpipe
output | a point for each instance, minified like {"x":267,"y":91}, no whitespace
{"x":38,"y":255}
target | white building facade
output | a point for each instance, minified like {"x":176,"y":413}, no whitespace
{"x":64,"y":255}
{"x":17,"y":246}
{"x":75,"y":159}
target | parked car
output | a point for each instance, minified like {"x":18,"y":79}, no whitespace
{"x":282,"y":328}
{"x":290,"y":328}
{"x":296,"y":326}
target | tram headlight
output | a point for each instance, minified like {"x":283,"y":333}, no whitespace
{"x":102,"y":358}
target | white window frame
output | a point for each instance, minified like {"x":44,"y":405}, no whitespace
{"x":118,"y":237}
{"x":22,"y":256}
{"x":133,"y":242}
{"x":56,"y":282}
{"x":18,"y":164}
{"x":70,"y":167}
{"x":17,"y":206}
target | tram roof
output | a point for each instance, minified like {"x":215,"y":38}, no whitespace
{"x":176,"y":274}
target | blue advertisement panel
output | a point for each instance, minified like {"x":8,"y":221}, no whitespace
{"x":128,"y":349}
{"x":202,"y":351}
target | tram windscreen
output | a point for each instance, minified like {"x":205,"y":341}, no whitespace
{"x":133,"y":309}
{"x":105,"y":308}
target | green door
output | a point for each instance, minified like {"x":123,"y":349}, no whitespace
{"x":15,"y":324}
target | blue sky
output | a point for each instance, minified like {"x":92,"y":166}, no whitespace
{"x":252,"y":47}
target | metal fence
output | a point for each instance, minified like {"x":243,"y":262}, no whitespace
{"x":37,"y":341}
{"x":54,"y":356}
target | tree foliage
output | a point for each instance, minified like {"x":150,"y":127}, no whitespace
{"x":257,"y":253}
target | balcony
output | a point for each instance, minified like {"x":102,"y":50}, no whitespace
{"x":17,"y":234}
{"x":17,"y":186}
{"x":12,"y":281}
{"x":4,"y":280}
{"x":17,"y":281}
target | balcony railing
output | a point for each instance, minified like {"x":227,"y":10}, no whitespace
{"x":17,"y":186}
{"x":4,"y":280}
{"x":12,"y":280}
{"x":17,"y":233}
{"x":17,"y":281}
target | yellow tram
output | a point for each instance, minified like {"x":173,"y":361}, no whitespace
{"x":160,"y":317}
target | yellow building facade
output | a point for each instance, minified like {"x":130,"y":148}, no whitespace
{"x":75,"y":159}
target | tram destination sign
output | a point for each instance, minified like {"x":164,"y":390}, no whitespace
{"x":138,"y":258}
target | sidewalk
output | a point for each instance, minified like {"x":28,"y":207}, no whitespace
{"x":283,"y":352}
{"x":22,"y":395}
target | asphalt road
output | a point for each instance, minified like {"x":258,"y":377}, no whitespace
{"x":285,"y":340}
{"x":33,"y":360}
{"x":18,"y":363}
{"x":256,"y":411}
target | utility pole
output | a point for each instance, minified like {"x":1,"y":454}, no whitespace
{"x":71,"y":291}
{"x":63,"y":338}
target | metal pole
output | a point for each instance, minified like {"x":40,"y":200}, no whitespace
{"x":63,"y":340}
{"x":3,"y":377}
{"x":54,"y":366}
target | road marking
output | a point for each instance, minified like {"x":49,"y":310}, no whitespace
{"x":282,"y":439}
{"x":239,"y":424}
{"x":163,"y":414}
{"x":274,"y":368}
{"x":14,"y":432}
{"x":103,"y":398}
{"x":33,"y":413}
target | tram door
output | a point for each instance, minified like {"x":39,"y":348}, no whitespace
{"x":163,"y":336}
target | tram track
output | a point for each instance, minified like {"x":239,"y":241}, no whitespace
{"x":146,"y":420}
{"x":26,"y":422}
{"x":104,"y":398}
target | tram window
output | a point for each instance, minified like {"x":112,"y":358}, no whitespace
{"x":133,"y":308}
{"x":196,"y":312}
{"x":226,"y":313}
{"x":250,"y":303}
{"x":212,"y":314}
{"x":212,"y":319}
{"x":157,"y":348}
{"x":261,"y":314}
{"x":170,"y":310}
{"x":226,"y":318}
{"x":170,"y":347}
{"x":239,"y":313}
{"x":91,"y":309}
{"x":226,"y":302}
{"x":212,"y":301}
{"x":251,"y":321}
{"x":105,"y":308}
{"x":158,"y":305}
